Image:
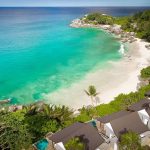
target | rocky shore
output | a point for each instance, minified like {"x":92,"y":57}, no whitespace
{"x":114,"y":29}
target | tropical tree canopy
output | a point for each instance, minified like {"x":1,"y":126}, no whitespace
{"x":138,"y":23}
{"x":130,"y":141}
{"x":145,"y":73}
{"x":100,"y":18}
{"x":91,"y":91}
{"x":75,"y":144}
{"x":14,"y":134}
{"x":20,"y":129}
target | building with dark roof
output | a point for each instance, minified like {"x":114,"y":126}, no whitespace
{"x":130,"y":122}
{"x":113,"y":116}
{"x":142,"y":104}
{"x":85,"y":132}
{"x":148,"y":111}
{"x":120,"y":122}
{"x":109,"y":127}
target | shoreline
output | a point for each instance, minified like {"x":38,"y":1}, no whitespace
{"x":109,"y":82}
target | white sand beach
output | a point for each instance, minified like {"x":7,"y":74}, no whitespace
{"x":119,"y":77}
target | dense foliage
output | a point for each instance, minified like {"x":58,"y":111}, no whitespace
{"x":99,"y":18}
{"x":145,"y":73}
{"x":20,"y":129}
{"x":14,"y":133}
{"x":131,"y":141}
{"x":139,"y":23}
{"x":74,"y":144}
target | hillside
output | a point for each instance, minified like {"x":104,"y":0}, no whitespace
{"x":139,"y":22}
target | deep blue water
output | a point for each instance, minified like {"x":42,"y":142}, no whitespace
{"x":76,"y":11}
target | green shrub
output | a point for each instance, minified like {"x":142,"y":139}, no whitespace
{"x":139,"y":22}
{"x":14,"y":133}
{"x":130,"y":141}
{"x":145,"y":73}
{"x":74,"y":144}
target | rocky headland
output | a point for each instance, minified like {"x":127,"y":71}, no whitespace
{"x":113,"y":29}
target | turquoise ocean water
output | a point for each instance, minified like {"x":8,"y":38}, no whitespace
{"x":40,"y":53}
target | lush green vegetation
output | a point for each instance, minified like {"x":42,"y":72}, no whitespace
{"x":20,"y":129}
{"x":139,"y":23}
{"x":131,"y":141}
{"x":74,"y":144}
{"x":145,"y":73}
{"x":98,"y":18}
{"x":14,"y":133}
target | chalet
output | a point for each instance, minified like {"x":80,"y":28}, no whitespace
{"x":104,"y":126}
{"x":85,"y":132}
{"x":116,"y":124}
{"x":143,"y":109}
{"x":130,"y":122}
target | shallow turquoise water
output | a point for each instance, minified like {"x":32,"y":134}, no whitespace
{"x":40,"y":53}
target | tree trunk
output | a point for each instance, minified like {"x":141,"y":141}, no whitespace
{"x":92,"y":101}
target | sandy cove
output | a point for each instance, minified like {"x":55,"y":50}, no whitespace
{"x":118,"y":77}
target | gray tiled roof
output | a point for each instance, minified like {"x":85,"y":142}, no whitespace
{"x":113,"y":116}
{"x":142,"y":104}
{"x":88,"y":135}
{"x":131,"y":122}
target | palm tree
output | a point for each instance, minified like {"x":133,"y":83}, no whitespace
{"x":65,"y":113}
{"x":48,"y":110}
{"x":60,"y":113}
{"x":91,"y":92}
{"x":30,"y":109}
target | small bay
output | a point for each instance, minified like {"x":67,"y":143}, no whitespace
{"x":40,"y":53}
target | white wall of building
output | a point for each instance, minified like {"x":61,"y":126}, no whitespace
{"x":59,"y":146}
{"x":143,"y":116}
{"x":109,"y":131}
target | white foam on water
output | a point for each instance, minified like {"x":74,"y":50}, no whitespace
{"x":122,"y":49}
